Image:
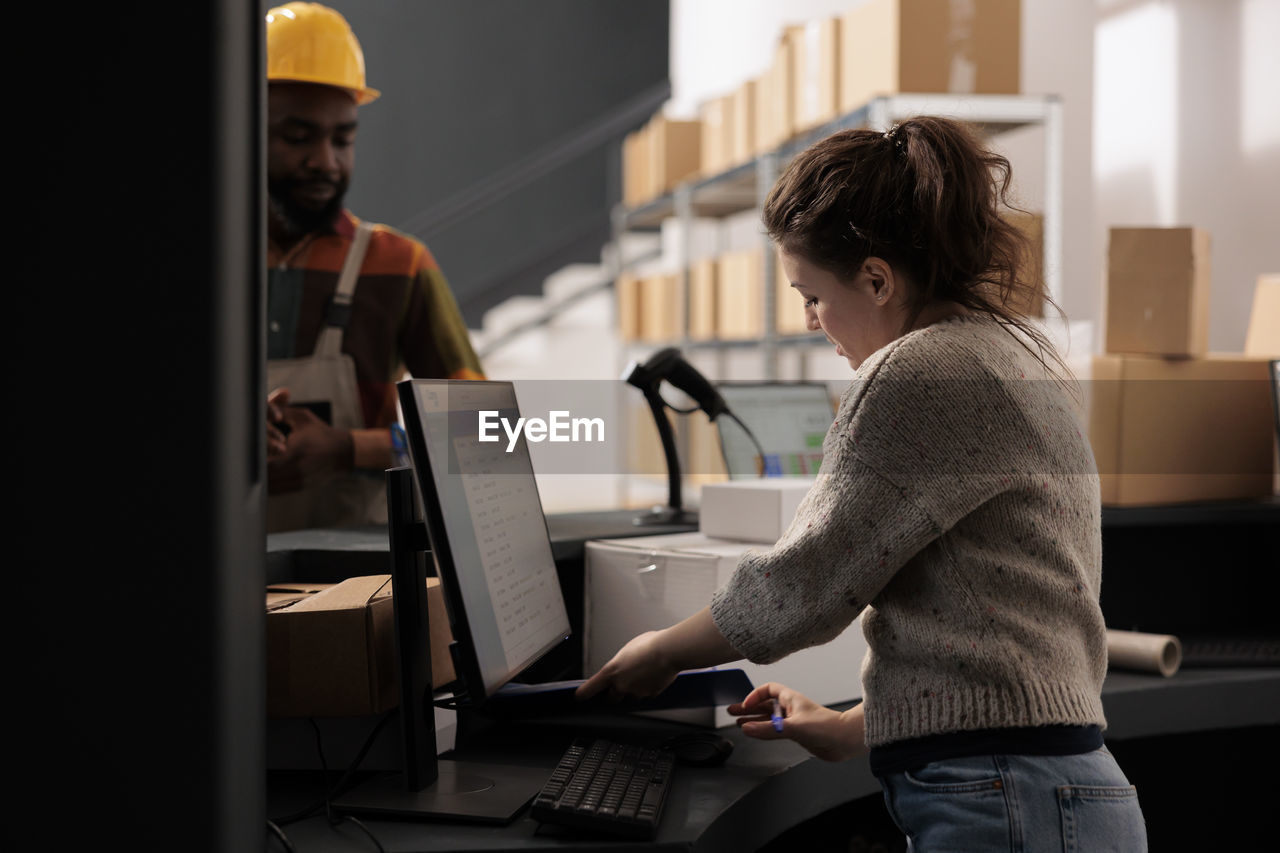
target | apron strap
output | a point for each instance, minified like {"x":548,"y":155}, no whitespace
{"x":339,"y":312}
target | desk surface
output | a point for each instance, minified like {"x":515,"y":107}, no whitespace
{"x":764,"y":788}
{"x":340,"y":552}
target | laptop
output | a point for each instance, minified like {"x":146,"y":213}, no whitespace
{"x":788,"y":419}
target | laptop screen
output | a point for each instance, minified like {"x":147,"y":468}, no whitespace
{"x":789,"y":419}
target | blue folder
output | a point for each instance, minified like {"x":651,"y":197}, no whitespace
{"x":702,"y":688}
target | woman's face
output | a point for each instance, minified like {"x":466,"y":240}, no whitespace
{"x":858,"y":316}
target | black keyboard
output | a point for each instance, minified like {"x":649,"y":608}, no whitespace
{"x":607,"y":786}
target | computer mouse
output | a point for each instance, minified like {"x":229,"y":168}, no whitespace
{"x":699,"y":749}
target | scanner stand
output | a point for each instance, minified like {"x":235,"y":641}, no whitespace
{"x":673,"y":512}
{"x":429,"y":788}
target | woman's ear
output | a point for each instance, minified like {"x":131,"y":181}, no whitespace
{"x":880,"y":279}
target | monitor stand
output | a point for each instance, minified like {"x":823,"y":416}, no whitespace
{"x":429,"y":787}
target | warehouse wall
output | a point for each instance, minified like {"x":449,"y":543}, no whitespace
{"x":1187,"y":132}
{"x":477,"y":97}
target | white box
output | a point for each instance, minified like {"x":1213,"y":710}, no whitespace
{"x":681,"y":247}
{"x":751,"y":510}
{"x":651,"y":582}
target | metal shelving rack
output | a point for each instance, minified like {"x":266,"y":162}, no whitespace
{"x":745,"y":186}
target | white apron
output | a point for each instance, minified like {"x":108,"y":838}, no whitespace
{"x":329,"y":376}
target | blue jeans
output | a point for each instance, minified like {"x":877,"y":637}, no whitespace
{"x":1018,"y":803}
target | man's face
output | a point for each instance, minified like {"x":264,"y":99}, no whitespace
{"x":311,"y":133}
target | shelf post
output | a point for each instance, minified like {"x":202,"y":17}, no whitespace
{"x":766,"y":176}
{"x":682,"y":202}
{"x":1053,"y":201}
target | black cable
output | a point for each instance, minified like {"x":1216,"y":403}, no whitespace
{"x":750,"y":435}
{"x":342,"y":818}
{"x":324,"y":765}
{"x":322,"y":805}
{"x":281,"y":837}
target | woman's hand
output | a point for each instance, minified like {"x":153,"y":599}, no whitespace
{"x":648,"y":664}
{"x":639,"y":670}
{"x":828,"y":734}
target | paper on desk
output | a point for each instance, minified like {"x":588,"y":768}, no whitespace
{"x":702,"y":688}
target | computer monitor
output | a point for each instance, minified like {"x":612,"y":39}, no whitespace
{"x":1275,"y":393}
{"x":483,"y":522}
{"x":487,"y":530}
{"x":789,"y":419}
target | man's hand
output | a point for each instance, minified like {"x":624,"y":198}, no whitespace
{"x":312,"y":452}
{"x":827,"y":733}
{"x":639,"y":670}
{"x":277,"y":400}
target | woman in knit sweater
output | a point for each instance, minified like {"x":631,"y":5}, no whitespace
{"x":957,"y":510}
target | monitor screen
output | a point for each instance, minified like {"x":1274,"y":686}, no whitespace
{"x":789,"y":419}
{"x":487,"y":531}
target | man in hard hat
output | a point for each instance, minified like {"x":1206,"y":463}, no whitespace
{"x":351,"y":305}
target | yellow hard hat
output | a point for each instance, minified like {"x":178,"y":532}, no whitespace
{"x":311,"y":43}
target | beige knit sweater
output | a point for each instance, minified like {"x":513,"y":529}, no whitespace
{"x":957,"y":509}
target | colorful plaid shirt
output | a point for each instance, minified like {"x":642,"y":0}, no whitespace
{"x":403,"y":314}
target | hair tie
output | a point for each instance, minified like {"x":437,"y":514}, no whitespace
{"x":892,"y":136}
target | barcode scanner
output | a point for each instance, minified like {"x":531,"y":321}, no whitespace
{"x":668,"y":364}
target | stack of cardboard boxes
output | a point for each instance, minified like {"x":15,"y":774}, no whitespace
{"x":1171,"y":422}
{"x":819,"y":70}
{"x":658,"y":156}
{"x":823,"y":68}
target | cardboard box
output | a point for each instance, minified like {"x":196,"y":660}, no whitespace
{"x":743,"y":137}
{"x":775,"y":104}
{"x":627,"y":302}
{"x":815,"y":51}
{"x":645,"y":456}
{"x":661,"y":308}
{"x":675,"y":151}
{"x":739,"y":308}
{"x":658,"y":156}
{"x":788,"y":306}
{"x":702,"y":300}
{"x":705,"y":461}
{"x":717,"y":117}
{"x":751,"y":510}
{"x":651,"y":582}
{"x":1263,"y":336}
{"x":1181,"y":430}
{"x":331,"y":647}
{"x":764,"y":132}
{"x":892,"y":46}
{"x":636,"y":181}
{"x":1031,"y":263}
{"x":1158,"y":283}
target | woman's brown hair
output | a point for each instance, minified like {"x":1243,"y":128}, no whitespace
{"x":927,"y":197}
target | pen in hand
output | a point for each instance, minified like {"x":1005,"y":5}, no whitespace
{"x":776,"y":715}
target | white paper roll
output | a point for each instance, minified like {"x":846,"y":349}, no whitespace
{"x":1160,"y":653}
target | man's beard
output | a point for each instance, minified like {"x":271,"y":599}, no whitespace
{"x":299,"y":220}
